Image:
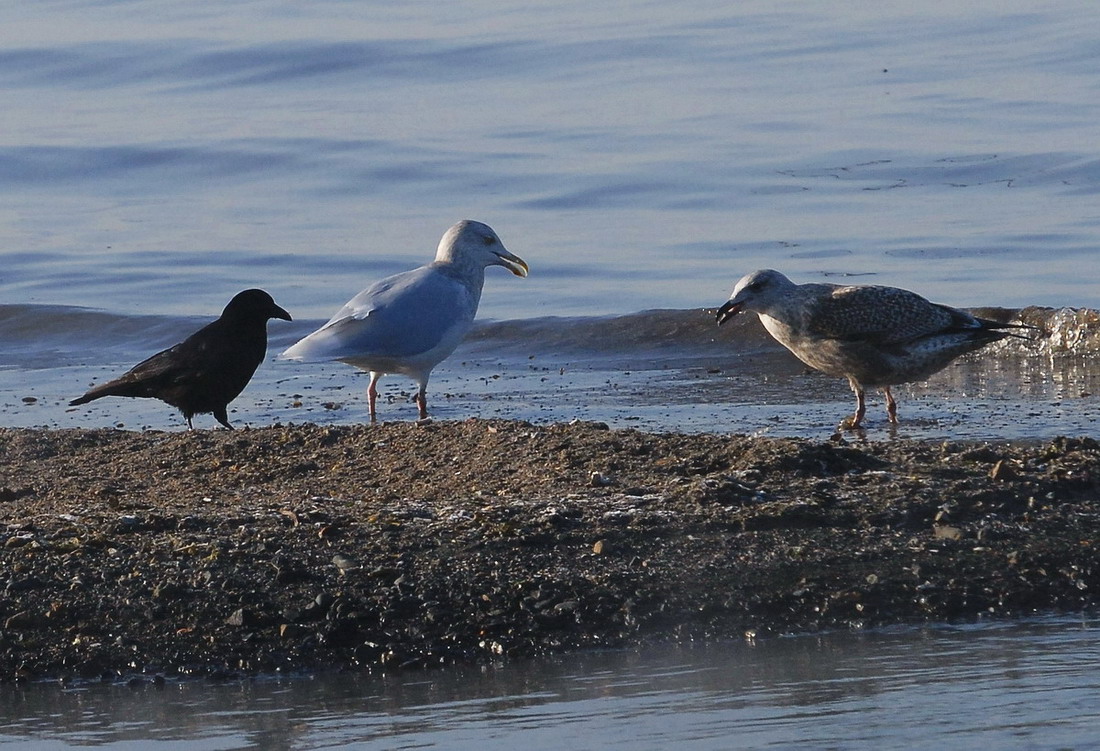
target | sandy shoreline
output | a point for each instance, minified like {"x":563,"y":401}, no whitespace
{"x":303,"y":547}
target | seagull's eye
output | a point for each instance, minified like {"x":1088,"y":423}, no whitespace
{"x":756,"y":287}
{"x":490,"y":240}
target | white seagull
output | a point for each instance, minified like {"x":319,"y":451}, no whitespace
{"x":871,"y":335}
{"x":410,"y":322}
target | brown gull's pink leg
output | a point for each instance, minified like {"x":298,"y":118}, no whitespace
{"x":891,"y":405}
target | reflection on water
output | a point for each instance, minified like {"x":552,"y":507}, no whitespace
{"x":1026,"y":685}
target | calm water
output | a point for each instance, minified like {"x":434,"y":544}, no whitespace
{"x":158,"y":157}
{"x":1030,"y":685}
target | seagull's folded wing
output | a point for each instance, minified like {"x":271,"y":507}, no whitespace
{"x":400,"y":316}
{"x":880,"y":315}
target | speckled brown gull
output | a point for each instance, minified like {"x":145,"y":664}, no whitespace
{"x":871,"y":335}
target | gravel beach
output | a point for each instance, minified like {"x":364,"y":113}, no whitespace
{"x":134,"y":555}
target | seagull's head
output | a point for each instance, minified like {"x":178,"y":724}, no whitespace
{"x":471,"y":243}
{"x":254,"y":305}
{"x":756,"y":291}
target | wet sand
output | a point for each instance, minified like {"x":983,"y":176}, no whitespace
{"x":656,"y":371}
{"x":302,"y":547}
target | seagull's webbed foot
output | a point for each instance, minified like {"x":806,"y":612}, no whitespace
{"x":851,"y":422}
{"x":843,"y":432}
{"x":421,"y":400}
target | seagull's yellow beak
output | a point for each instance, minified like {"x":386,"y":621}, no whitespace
{"x":513,"y":263}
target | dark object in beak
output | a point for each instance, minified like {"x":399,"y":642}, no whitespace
{"x":728,"y":311}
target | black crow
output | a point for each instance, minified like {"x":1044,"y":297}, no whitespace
{"x":207,"y":370}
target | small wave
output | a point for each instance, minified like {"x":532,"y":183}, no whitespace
{"x":33,"y":334}
{"x":659,"y":334}
{"x":654,"y":334}
{"x":49,"y":165}
{"x":1066,"y":331}
{"x":1060,"y":332}
{"x":1063,"y":171}
{"x":181,"y":64}
{"x":26,"y":329}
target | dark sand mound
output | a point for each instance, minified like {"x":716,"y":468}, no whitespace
{"x":302,"y":547}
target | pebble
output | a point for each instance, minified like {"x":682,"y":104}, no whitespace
{"x":946,"y":532}
{"x":344,"y":564}
{"x":600,"y":480}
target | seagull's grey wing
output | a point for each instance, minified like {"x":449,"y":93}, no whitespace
{"x":401,"y":316}
{"x":880,"y":315}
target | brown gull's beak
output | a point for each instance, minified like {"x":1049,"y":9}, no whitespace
{"x":728,"y":311}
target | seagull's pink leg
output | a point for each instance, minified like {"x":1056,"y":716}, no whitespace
{"x":372,"y":395}
{"x":421,"y":400}
{"x":852,"y":423}
{"x":861,"y":408}
{"x":891,"y":405}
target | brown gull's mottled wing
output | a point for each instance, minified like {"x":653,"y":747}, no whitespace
{"x":881,"y":316}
